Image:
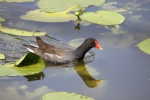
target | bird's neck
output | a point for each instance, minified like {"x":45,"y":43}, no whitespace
{"x":81,"y":51}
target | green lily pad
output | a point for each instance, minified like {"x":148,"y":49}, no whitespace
{"x":2,"y":19}
{"x":27,"y":65}
{"x":20,"y":32}
{"x":62,"y":5}
{"x":19,"y":0}
{"x":41,"y":16}
{"x":64,"y":96}
{"x":103,"y":17}
{"x":145,"y":46}
{"x":2,"y":56}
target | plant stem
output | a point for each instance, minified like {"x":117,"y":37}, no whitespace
{"x":78,"y":6}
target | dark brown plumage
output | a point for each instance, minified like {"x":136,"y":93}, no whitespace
{"x":59,"y":55}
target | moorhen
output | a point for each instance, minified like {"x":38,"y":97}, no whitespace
{"x":58,"y":55}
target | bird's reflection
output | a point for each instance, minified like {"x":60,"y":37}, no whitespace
{"x":86,"y":77}
{"x":80,"y":68}
{"x":39,"y":76}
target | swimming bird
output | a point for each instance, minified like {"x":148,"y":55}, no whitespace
{"x":58,"y":55}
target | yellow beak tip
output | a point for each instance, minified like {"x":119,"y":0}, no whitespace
{"x":101,"y":48}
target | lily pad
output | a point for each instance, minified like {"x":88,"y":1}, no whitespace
{"x":2,"y":56}
{"x":19,"y":0}
{"x":2,"y":19}
{"x":103,"y":17}
{"x":20,"y":32}
{"x":62,"y":5}
{"x":145,"y":46}
{"x":27,"y":65}
{"x":64,"y":96}
{"x":41,"y":16}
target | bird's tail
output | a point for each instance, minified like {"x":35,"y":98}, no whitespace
{"x":41,"y":43}
{"x":30,"y":48}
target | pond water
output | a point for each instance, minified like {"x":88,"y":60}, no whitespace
{"x":119,"y":72}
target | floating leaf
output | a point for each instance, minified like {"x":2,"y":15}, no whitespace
{"x":2,"y":19}
{"x":2,"y":56}
{"x":19,"y":0}
{"x":20,"y":32}
{"x":26,"y":60}
{"x":103,"y":17}
{"x":64,"y":96}
{"x":62,"y":5}
{"x":145,"y":46}
{"x":41,"y":16}
{"x":27,"y":65}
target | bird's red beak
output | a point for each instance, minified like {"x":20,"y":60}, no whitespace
{"x":97,"y":45}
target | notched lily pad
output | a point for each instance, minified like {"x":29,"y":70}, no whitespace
{"x":20,"y":32}
{"x":19,"y":0}
{"x":64,"y":96}
{"x":62,"y":5}
{"x":27,"y":65}
{"x":26,"y":60}
{"x":1,"y":0}
{"x":41,"y":16}
{"x":103,"y":17}
{"x":145,"y":46}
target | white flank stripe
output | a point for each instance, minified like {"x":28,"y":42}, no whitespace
{"x":59,"y":56}
{"x":34,"y":45}
{"x":51,"y":55}
{"x":30,"y":50}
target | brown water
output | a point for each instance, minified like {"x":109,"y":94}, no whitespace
{"x":123,"y":68}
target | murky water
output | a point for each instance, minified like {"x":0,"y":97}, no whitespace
{"x":123,"y":68}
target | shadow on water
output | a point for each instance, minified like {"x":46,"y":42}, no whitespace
{"x":39,"y":76}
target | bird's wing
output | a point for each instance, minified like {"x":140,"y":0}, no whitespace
{"x":49,"y":49}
